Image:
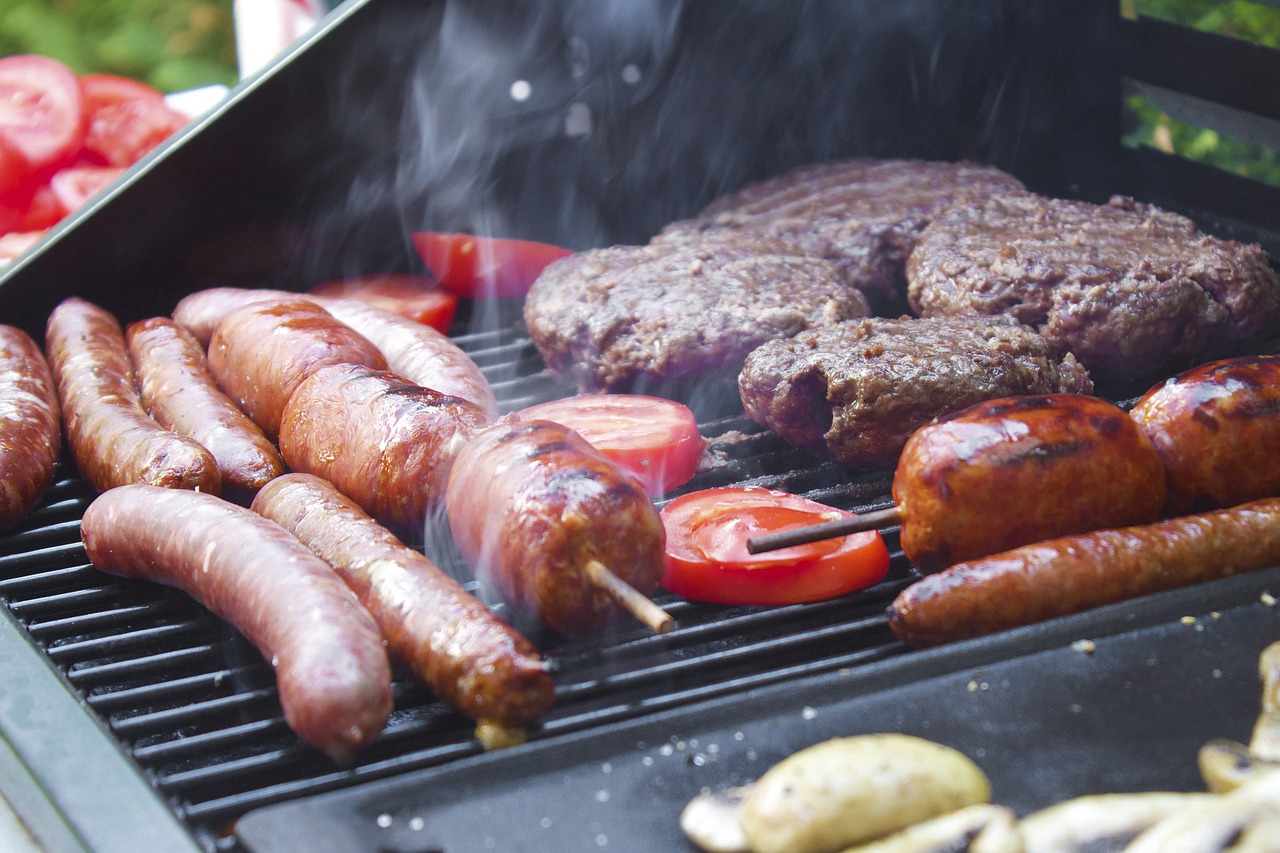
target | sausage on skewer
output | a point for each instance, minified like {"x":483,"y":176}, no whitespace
{"x":30,"y":425}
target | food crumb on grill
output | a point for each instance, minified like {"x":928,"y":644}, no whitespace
{"x":1188,"y":620}
{"x":1084,"y":646}
{"x":1267,"y":598}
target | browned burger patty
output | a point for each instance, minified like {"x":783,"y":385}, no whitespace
{"x":859,"y":389}
{"x":1127,"y":287}
{"x":672,"y":318}
{"x":864,"y":215}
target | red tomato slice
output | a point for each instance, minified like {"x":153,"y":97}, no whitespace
{"x":74,"y":185}
{"x":125,"y":118}
{"x":41,"y":109}
{"x":15,"y":243}
{"x":655,"y":439}
{"x":17,"y":185}
{"x":43,"y":211}
{"x":484,"y":267}
{"x":707,"y":557}
{"x":414,"y":296}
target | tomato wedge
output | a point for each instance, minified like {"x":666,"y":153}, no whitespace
{"x":74,"y":185}
{"x":125,"y":118}
{"x":15,"y":243}
{"x":414,"y":296}
{"x":707,"y":558}
{"x":41,"y":109}
{"x":484,"y":267}
{"x":655,"y":439}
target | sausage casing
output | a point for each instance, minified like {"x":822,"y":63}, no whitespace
{"x":30,"y":425}
{"x":1070,"y":574}
{"x":113,"y":439}
{"x":331,"y":668}
{"x":471,"y":658}
{"x":530,"y":502}
{"x":1216,"y":428}
{"x":176,"y":389}
{"x":1015,"y":470}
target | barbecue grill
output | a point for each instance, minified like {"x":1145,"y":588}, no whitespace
{"x":134,"y":720}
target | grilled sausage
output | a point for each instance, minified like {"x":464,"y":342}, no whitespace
{"x":331,"y":668}
{"x":201,"y":312}
{"x":1016,"y":470}
{"x":1075,"y":573}
{"x":531,"y":503}
{"x":176,"y":389}
{"x":386,"y":444}
{"x":472,"y":659}
{"x":30,"y":426}
{"x":112,"y":438}
{"x":262,"y":351}
{"x":1216,"y":428}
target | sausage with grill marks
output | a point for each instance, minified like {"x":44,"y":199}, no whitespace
{"x":176,"y":389}
{"x":113,"y":439}
{"x":331,"y":667}
{"x":30,"y":426}
{"x":471,"y":658}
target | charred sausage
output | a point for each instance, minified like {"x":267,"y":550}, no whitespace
{"x":113,"y":439}
{"x":1016,"y":470}
{"x":385,"y":443}
{"x":1074,"y":573}
{"x":471,"y":658}
{"x":331,"y":668}
{"x":1216,"y":428}
{"x":531,"y":504}
{"x":262,"y":351}
{"x":176,"y":389}
{"x":30,"y":425}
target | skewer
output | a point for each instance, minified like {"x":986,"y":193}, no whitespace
{"x":629,"y":597}
{"x":825,"y":530}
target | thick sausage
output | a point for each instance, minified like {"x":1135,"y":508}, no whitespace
{"x":386,"y":444}
{"x":30,"y":425}
{"x":1074,"y":573}
{"x":1216,"y":428}
{"x":530,"y":503}
{"x":113,"y":439}
{"x":176,"y":389}
{"x":472,"y":659}
{"x":331,"y":667}
{"x":1015,"y":470}
{"x":201,"y":312}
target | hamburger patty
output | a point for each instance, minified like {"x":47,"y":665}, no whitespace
{"x":863,"y":215}
{"x":858,"y":389}
{"x":677,"y":317}
{"x":1127,"y":287}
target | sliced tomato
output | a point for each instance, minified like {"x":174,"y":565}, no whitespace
{"x":15,"y":243}
{"x":41,"y":109}
{"x":414,"y":296}
{"x":125,"y":118}
{"x":707,"y":558}
{"x":17,"y":186}
{"x":74,"y":185}
{"x":484,"y":267}
{"x":43,"y":211}
{"x":655,"y":439}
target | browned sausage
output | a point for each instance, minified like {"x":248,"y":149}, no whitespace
{"x":1007,"y":472}
{"x":1217,"y":430}
{"x":113,"y":439}
{"x":30,"y":426}
{"x":530,"y":503}
{"x":386,"y":444}
{"x":201,"y":312}
{"x":1075,"y":573}
{"x":176,"y":389}
{"x":331,"y":667}
{"x":262,"y":351}
{"x":472,"y":659}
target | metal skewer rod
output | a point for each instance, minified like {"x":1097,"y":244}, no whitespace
{"x":825,"y":530}
{"x":629,"y":597}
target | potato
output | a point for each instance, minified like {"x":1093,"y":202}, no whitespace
{"x":850,"y":790}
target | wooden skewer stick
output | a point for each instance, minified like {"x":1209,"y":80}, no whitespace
{"x":825,"y":530}
{"x":629,"y":597}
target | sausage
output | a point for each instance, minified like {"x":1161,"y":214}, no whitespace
{"x":332,"y":670}
{"x":471,"y":658}
{"x":531,"y":503}
{"x":1070,"y":574}
{"x":385,"y":443}
{"x":1215,"y":427}
{"x":112,"y":438}
{"x":1016,"y":470}
{"x":201,"y":312}
{"x":30,"y":426}
{"x":262,"y":351}
{"x":176,"y":389}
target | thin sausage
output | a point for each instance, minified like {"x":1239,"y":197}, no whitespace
{"x":30,"y":426}
{"x":112,"y":438}
{"x":331,"y":667}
